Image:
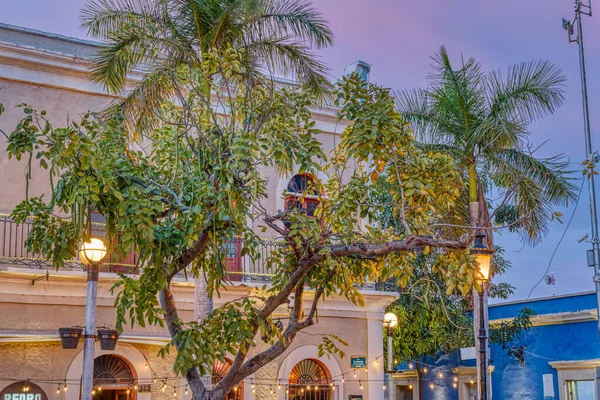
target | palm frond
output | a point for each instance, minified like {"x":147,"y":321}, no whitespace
{"x":287,"y":57}
{"x":530,"y":91}
{"x":297,"y":18}
{"x":536,"y":185}
{"x":102,"y":17}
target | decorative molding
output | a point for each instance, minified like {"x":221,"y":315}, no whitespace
{"x":575,"y":364}
{"x":559,"y":318}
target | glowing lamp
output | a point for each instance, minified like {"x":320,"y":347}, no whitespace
{"x":93,"y":251}
{"x":483,"y":256}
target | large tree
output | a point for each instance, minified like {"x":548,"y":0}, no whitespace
{"x":159,"y":36}
{"x":199,"y":181}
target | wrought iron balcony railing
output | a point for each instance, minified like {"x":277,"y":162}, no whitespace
{"x":13,"y":251}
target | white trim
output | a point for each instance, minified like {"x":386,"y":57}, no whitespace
{"x":574,"y":370}
{"x":302,"y":353}
{"x":133,"y":356}
{"x":559,"y":318}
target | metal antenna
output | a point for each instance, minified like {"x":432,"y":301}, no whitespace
{"x":592,"y":156}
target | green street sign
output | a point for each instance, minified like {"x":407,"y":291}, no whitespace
{"x":358,"y":362}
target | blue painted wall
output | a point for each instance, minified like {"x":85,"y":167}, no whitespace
{"x":543,"y":344}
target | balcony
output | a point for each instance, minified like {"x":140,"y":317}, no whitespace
{"x":240,"y":268}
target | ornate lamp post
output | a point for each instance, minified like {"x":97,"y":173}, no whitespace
{"x":390,"y":322}
{"x":483,"y":256}
{"x":92,"y":254}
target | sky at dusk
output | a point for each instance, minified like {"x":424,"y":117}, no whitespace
{"x":397,"y":37}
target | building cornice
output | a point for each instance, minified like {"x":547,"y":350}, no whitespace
{"x":575,"y":364}
{"x":558,"y":318}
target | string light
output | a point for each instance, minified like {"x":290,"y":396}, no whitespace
{"x":354,"y":373}
{"x":65,"y":388}
{"x":58,"y":389}
{"x":93,"y":392}
{"x":307,"y":387}
{"x":154,"y":380}
{"x":384,"y":386}
{"x":410,"y":366}
{"x":164,"y":386}
{"x":410,"y":387}
{"x":361,"y":385}
{"x":99,"y":388}
{"x":366,"y":369}
{"x":454,"y":385}
{"x":472,"y":381}
{"x":186,"y":389}
{"x":333,"y":388}
{"x":455,"y":379}
{"x":425,"y":369}
{"x":146,"y":365}
{"x":128,"y":390}
{"x":279,"y":386}
{"x":441,"y":375}
{"x":343,"y":378}
{"x":174,"y":392}
{"x":431,"y":386}
{"x":135,"y":387}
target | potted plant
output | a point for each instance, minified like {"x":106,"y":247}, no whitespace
{"x":108,"y":338}
{"x":70,"y":337}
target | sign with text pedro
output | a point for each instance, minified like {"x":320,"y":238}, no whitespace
{"x":16,"y":391}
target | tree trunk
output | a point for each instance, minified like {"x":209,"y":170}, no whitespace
{"x":203,"y":306}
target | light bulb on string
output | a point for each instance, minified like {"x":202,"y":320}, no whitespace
{"x":301,"y":390}
{"x":154,"y":380}
{"x":135,"y":387}
{"x":361,"y":385}
{"x":174,"y":392}
{"x":354,"y":373}
{"x":65,"y":388}
{"x":146,"y":365}
{"x":455,"y":379}
{"x":128,"y":390}
{"x":425,"y":369}
{"x":431,"y":386}
{"x":472,"y":382}
{"x":441,"y":375}
{"x":279,"y":386}
{"x":454,"y":385}
{"x":410,"y":387}
{"x":384,"y":386}
{"x":343,"y":379}
{"x":333,"y":388}
{"x":186,"y":389}
{"x":58,"y":389}
{"x":410,"y":365}
{"x":366,"y":369}
{"x":99,"y":388}
{"x":93,"y":392}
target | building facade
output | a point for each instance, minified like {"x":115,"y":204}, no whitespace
{"x":50,"y":72}
{"x":562,"y":351}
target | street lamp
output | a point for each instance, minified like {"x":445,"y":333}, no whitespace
{"x":390,"y":322}
{"x":91,"y":254}
{"x":483,"y":257}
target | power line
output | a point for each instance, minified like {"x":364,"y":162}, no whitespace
{"x":559,"y":242}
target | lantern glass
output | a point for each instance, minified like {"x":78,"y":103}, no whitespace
{"x":390,"y":320}
{"x":93,"y":251}
{"x":484,"y":265}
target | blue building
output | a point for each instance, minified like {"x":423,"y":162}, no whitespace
{"x":562,"y":351}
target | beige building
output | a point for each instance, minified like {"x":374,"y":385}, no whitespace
{"x":50,"y":72}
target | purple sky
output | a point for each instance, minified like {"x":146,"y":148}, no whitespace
{"x":397,"y":37}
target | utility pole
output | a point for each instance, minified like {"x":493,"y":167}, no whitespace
{"x":591,"y":156}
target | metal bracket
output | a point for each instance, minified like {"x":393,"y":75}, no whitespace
{"x":85,"y":336}
{"x":39,"y":278}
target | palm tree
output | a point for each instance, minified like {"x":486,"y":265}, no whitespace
{"x":482,"y":121}
{"x":161,"y":35}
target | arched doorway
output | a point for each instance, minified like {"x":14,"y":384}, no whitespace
{"x":114,"y":378}
{"x":310,"y":380}
{"x":220,"y":369}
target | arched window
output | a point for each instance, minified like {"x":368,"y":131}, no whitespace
{"x":219,"y":371}
{"x":115,"y":376}
{"x":310,"y":379}
{"x":303,"y":193}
